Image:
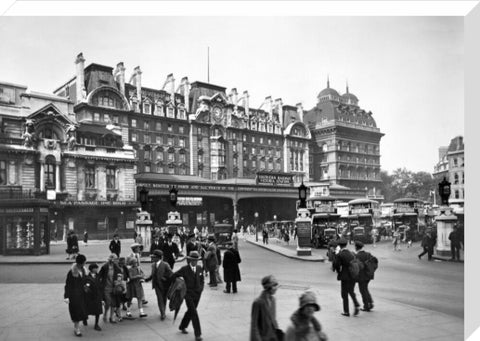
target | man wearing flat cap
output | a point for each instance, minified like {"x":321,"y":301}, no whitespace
{"x":194,"y":281}
{"x":341,"y":265}
{"x":264,"y":326}
{"x":160,"y":277}
{"x":363,"y":277}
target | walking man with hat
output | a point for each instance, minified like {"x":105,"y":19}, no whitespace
{"x":170,"y":251}
{"x":363,"y":277}
{"x":160,"y":277}
{"x":192,"y":273}
{"x":341,"y":265}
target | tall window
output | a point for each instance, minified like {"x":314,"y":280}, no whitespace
{"x":170,"y":128}
{"x":3,"y":173}
{"x":159,"y":155}
{"x":133,"y":123}
{"x":181,"y":157}
{"x":50,"y":172}
{"x":181,"y":142}
{"x":159,"y":110}
{"x":456,"y":179}
{"x":89,"y":177}
{"x":147,"y":109}
{"x":455,"y":163}
{"x":146,"y":125}
{"x":171,"y":156}
{"x":147,"y":155}
{"x":134,"y":137}
{"x":181,"y":129}
{"x":146,"y":139}
{"x":171,"y":114}
{"x":110,"y":177}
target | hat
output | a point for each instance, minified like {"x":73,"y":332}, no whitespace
{"x":308,"y":298}
{"x":191,"y":235}
{"x":358,"y":244}
{"x":193,"y":255}
{"x":80,"y":259}
{"x":115,"y":235}
{"x":157,"y":253}
{"x":269,"y":282}
{"x":112,"y":256}
{"x":211,"y":238}
{"x":229,"y":243}
{"x":342,"y":242}
{"x":92,"y":266}
{"x":134,"y":245}
{"x":169,"y":235}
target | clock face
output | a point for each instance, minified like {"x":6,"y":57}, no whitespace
{"x":217,"y":114}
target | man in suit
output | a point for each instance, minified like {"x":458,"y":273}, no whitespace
{"x":363,"y":277}
{"x":341,"y":264}
{"x":264,"y":324}
{"x":115,"y":245}
{"x":194,"y":281}
{"x":170,"y":251}
{"x":156,"y":245}
{"x":160,"y":276}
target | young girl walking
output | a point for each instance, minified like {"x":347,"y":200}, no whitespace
{"x":134,"y":286}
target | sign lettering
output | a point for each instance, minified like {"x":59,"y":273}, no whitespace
{"x":304,"y":233}
{"x":274,"y":179}
{"x":360,"y":211}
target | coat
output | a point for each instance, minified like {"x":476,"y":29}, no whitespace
{"x":103,"y":273}
{"x":115,"y":247}
{"x":154,"y":246}
{"x":211,"y":260}
{"x":93,"y":295}
{"x":304,"y":329}
{"x":264,"y":323}
{"x":193,"y":281}
{"x":75,"y":292}
{"x":231,"y":271}
{"x":176,"y":293}
{"x":362,"y":257}
{"x":161,"y":276}
{"x":341,"y":263}
{"x":134,"y":286}
{"x":170,"y":253}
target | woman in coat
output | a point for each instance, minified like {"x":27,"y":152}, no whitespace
{"x":211,"y":263}
{"x":75,"y":293}
{"x":305,"y":327}
{"x":94,"y":294}
{"x":231,"y":271}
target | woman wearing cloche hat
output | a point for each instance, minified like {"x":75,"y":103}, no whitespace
{"x":304,"y":325}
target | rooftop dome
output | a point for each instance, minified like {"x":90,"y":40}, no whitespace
{"x":328,"y":91}
{"x":349,"y":98}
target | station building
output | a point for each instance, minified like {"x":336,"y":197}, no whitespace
{"x":86,"y":151}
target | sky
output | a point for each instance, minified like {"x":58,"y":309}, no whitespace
{"x":407,"y":70}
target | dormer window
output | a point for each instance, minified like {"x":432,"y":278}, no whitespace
{"x":147,"y":109}
{"x":181,"y":113}
{"x":106,"y":101}
{"x":159,"y":109}
{"x":170,"y":112}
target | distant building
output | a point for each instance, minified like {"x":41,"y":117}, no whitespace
{"x":345,"y":146}
{"x":451,"y":165}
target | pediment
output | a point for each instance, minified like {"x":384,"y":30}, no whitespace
{"x":50,"y":112}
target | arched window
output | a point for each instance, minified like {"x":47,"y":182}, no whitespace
{"x":48,"y":133}
{"x":50,"y":171}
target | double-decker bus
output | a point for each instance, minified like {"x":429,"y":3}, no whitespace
{"x":325,"y":219}
{"x":409,"y":218}
{"x":364,"y":216}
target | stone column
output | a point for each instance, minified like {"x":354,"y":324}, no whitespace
{"x":445,"y":222}
{"x":57,"y":178}
{"x":80,"y":81}
{"x":235,"y":213}
{"x":42,"y":176}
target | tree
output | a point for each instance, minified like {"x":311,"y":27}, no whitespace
{"x":407,"y":184}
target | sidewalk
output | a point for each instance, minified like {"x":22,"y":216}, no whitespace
{"x":288,"y":250}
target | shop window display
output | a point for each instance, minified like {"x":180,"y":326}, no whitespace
{"x":20,"y":233}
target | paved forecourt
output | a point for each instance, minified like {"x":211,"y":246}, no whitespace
{"x":37,"y":311}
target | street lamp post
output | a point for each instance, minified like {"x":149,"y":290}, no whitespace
{"x":256,"y":226}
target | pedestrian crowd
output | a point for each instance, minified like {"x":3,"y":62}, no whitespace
{"x":110,"y":289}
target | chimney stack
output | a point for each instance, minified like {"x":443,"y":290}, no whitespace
{"x":119,"y":76}
{"x":246,"y":102}
{"x":81,"y":91}
{"x":269,"y":102}
{"x":234,"y":96}
{"x":138,"y":82}
{"x":300,"y":111}
{"x":279,"y":104}
{"x":186,"y":93}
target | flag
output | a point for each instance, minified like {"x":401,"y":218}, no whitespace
{"x":432,"y":192}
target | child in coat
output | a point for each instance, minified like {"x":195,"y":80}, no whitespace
{"x":134,"y":286}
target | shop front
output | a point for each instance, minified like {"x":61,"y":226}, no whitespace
{"x":24,"y":228}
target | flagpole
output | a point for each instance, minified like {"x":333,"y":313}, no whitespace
{"x":208,"y":64}
{"x":434,"y":198}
